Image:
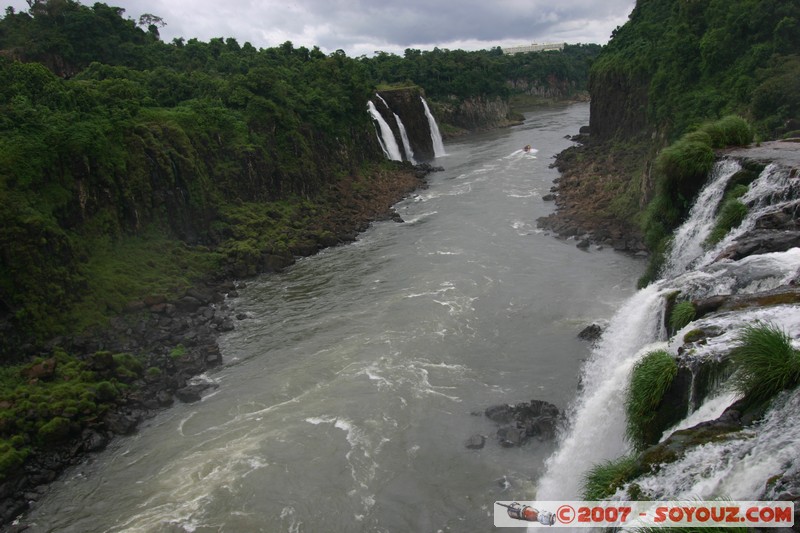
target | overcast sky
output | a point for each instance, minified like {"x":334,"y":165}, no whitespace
{"x":361,"y":27}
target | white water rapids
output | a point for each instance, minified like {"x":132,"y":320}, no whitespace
{"x":736,"y":468}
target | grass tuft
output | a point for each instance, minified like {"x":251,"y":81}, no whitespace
{"x":731,"y":215}
{"x":603,"y":480}
{"x":683,"y":313}
{"x":650,"y":379}
{"x":765,"y":362}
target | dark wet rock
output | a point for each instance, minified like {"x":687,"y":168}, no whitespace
{"x":500,"y":413}
{"x":93,"y":441}
{"x":584,"y":244}
{"x":193,"y":393}
{"x":120,"y":423}
{"x":761,"y":241}
{"x":549,"y":197}
{"x":188,"y":304}
{"x":591,"y":333}
{"x":226,"y":325}
{"x":475,"y":442}
{"x":509,"y":436}
{"x":521,"y":422}
{"x":164,"y":398}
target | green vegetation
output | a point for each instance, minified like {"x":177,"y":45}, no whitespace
{"x":679,"y":80}
{"x":681,"y":171}
{"x":130,"y":167}
{"x":603,"y":480}
{"x":45,"y":402}
{"x":682,"y":313}
{"x":458,"y":74}
{"x":686,"y":62}
{"x":731,"y":214}
{"x":765,"y":363}
{"x":650,"y":379}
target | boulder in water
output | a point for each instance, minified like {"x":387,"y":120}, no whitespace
{"x":591,"y":333}
{"x":475,"y":442}
{"x":523,"y":421}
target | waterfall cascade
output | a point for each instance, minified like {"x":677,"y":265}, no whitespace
{"x":404,"y":138}
{"x":385,"y":136}
{"x":436,"y":137}
{"x":406,"y":129}
{"x":762,"y":460}
{"x":687,"y":244}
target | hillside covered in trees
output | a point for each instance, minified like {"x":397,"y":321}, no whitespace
{"x":108,"y":132}
{"x":671,"y":71}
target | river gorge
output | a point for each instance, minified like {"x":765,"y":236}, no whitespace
{"x":354,"y":379}
{"x":347,"y":393}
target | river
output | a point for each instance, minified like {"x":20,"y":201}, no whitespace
{"x":347,"y":394}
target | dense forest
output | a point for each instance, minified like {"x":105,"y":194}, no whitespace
{"x":678,"y":81}
{"x":683,"y":62}
{"x":109,"y":132}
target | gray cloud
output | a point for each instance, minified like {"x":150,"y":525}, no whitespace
{"x":364,"y":26}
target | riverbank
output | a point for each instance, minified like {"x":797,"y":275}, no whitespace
{"x":155,"y":351}
{"x":589,"y":205}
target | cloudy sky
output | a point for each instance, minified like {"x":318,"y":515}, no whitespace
{"x":361,"y":27}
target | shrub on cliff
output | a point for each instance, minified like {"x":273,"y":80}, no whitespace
{"x":650,"y":379}
{"x":684,"y":166}
{"x":765,"y":362}
{"x":45,"y":402}
{"x":731,"y":130}
{"x":731,"y":215}
{"x":682,"y":170}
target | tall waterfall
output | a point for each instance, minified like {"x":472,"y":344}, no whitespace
{"x":739,"y":466}
{"x":436,"y":137}
{"x":596,"y":432}
{"x":385,"y":137}
{"x":404,"y":138}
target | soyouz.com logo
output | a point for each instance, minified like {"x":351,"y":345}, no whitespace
{"x":644,"y":514}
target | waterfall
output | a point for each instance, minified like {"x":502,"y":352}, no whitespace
{"x":774,"y":189}
{"x":436,"y":137}
{"x":386,"y":136}
{"x":739,"y":466}
{"x":735,"y":468}
{"x":404,"y":137}
{"x":687,"y":244}
{"x":596,"y":431}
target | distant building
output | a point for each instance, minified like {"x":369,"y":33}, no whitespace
{"x":533,"y":48}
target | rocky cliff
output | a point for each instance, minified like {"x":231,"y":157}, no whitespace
{"x":618,"y":105}
{"x":477,"y":113}
{"x":406,"y":103}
